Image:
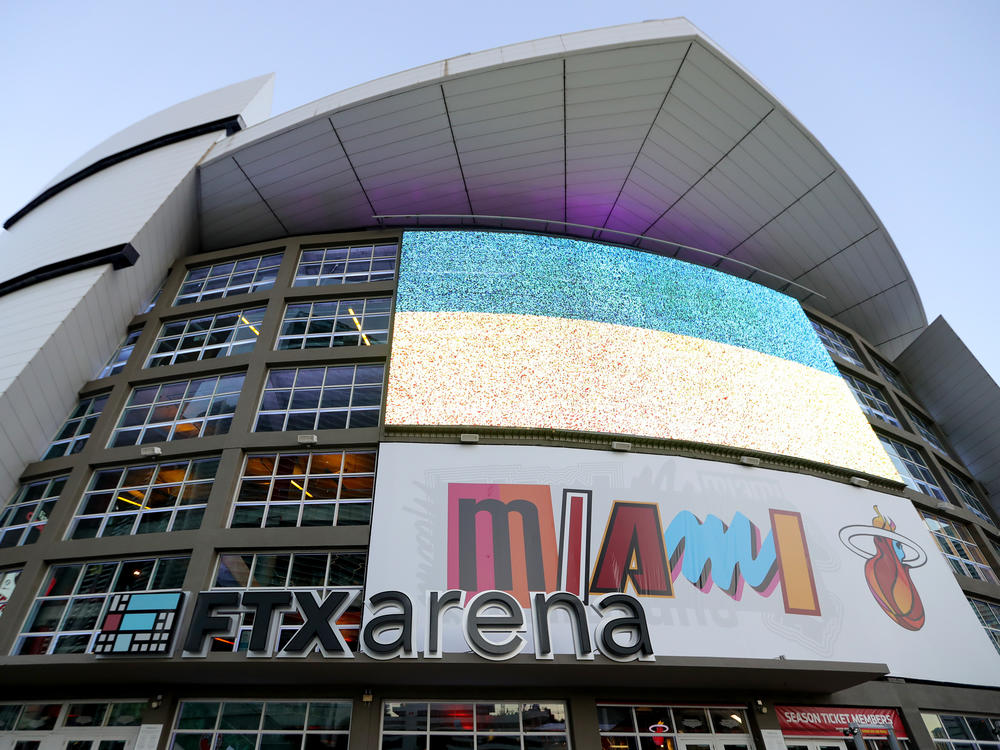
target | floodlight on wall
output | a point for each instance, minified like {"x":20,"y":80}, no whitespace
{"x":749,"y":460}
{"x":860,"y":482}
{"x":366,"y":697}
{"x":307,"y":439}
{"x":151,"y":450}
{"x":621,"y":445}
{"x":469,"y":438}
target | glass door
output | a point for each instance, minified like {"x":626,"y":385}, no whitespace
{"x":797,"y":744}
{"x":714,"y":743}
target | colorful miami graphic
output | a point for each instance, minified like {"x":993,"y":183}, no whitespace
{"x":887,"y":570}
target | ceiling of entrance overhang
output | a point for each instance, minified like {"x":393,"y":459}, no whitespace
{"x":647,"y":128}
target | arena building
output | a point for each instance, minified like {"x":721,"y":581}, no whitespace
{"x":565,"y":395}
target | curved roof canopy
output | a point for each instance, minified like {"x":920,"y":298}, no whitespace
{"x":647,"y":129}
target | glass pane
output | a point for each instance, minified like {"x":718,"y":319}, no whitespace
{"x":329,"y":716}
{"x":691,"y":720}
{"x":235,"y":742}
{"x":39,"y":717}
{"x":240,"y":716}
{"x":192,"y":741}
{"x":125,"y":714}
{"x":281,"y":741}
{"x":450,"y":717}
{"x":451,"y":742}
{"x":543,"y":717}
{"x":404,"y":742}
{"x":498,"y":717}
{"x":86,"y":714}
{"x":284,"y":716}
{"x":551,"y":742}
{"x":619,"y":742}
{"x":404,"y":717}
{"x":728,"y":721}
{"x":326,"y":742}
{"x":198,"y":715}
{"x":615,"y":719}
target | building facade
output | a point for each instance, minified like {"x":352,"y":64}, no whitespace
{"x":565,"y":395}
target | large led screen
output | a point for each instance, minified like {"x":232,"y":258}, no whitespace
{"x":516,"y":330}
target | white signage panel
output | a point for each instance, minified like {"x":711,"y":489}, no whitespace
{"x":502,"y":550}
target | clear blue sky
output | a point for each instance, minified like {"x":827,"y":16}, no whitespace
{"x":903,"y":94}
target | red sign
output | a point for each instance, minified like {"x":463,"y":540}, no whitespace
{"x":830,"y":721}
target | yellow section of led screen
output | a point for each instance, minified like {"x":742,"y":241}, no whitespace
{"x":485,"y":369}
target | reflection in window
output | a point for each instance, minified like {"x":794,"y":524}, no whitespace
{"x":959,"y":549}
{"x":306,"y":489}
{"x":912,"y":467}
{"x":891,"y":376}
{"x":968,"y":495}
{"x":655,"y":727}
{"x":346,"y":322}
{"x":837,"y":343}
{"x":207,"y":337}
{"x":77,"y":428}
{"x":178,"y":410}
{"x":970,"y":730}
{"x":145,"y":499}
{"x":871,"y":399}
{"x":270,"y":725}
{"x":229,"y":279}
{"x":321,"y":572}
{"x":926,"y":430}
{"x":8,"y":582}
{"x":67,"y":612}
{"x":321,"y":398}
{"x":28,"y":511}
{"x":989,"y":615}
{"x":508,"y":725}
{"x":346,"y":265}
{"x":117,"y":362}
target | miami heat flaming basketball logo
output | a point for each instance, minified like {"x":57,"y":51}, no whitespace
{"x":887,"y":570}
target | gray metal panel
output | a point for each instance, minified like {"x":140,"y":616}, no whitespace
{"x":961,"y":396}
{"x":661,"y":136}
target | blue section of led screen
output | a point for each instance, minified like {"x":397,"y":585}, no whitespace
{"x":508,"y":273}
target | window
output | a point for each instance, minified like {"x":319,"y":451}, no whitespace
{"x":533,"y":725}
{"x":912,"y":467}
{"x":890,"y":375}
{"x":117,"y":362}
{"x":989,"y":615}
{"x":321,"y":398}
{"x":926,"y":430}
{"x":271,"y":725}
{"x":306,"y":489}
{"x":229,"y":279}
{"x":45,"y":717}
{"x":208,"y":337}
{"x":969,"y":497}
{"x":970,"y":730}
{"x":837,"y":343}
{"x":656,"y":727}
{"x":145,"y":499}
{"x":347,"y":322}
{"x":8,"y":582}
{"x":346,"y":265}
{"x":67,"y":612}
{"x":178,"y":410}
{"x":321,"y":572}
{"x":143,"y":309}
{"x":26,"y":514}
{"x":959,"y":549}
{"x":77,"y":428}
{"x":871,"y":399}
